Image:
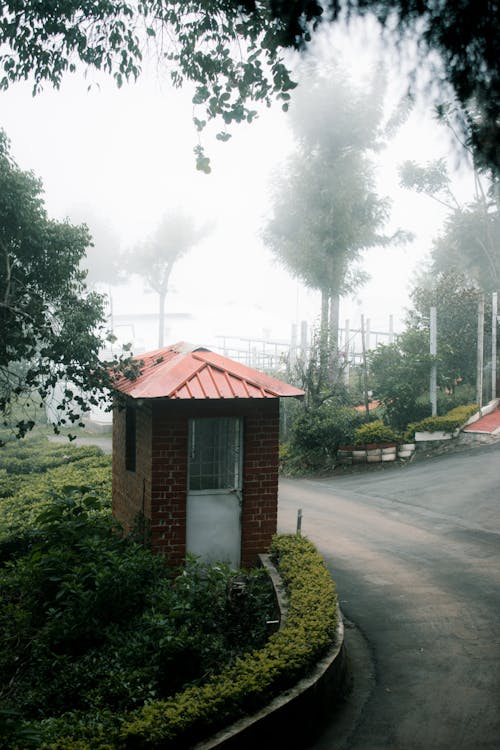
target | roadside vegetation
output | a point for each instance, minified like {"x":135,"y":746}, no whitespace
{"x":104,"y":646}
{"x":92,"y":625}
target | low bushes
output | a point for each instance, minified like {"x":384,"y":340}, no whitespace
{"x":447,"y":423}
{"x":27,"y":488}
{"x":93,"y":625}
{"x":99,"y":638}
{"x":259,"y":675}
{"x":374,"y":432}
{"x":316,"y":436}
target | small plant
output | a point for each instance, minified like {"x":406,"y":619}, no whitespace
{"x":374,"y":432}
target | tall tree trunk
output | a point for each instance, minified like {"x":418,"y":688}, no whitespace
{"x":333,"y":337}
{"x":334,"y":323}
{"x":161,"y":322}
{"x":324,"y":328}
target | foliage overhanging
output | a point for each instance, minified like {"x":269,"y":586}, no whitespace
{"x":232,"y":50}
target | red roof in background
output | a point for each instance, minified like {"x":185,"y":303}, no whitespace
{"x":181,"y":371}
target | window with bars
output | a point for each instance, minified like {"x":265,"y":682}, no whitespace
{"x":215,"y":453}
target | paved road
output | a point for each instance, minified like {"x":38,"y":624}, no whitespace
{"x":415,"y":552}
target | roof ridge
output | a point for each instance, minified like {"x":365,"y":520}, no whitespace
{"x":251,"y":381}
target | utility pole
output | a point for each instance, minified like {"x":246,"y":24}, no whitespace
{"x":433,"y":353}
{"x":347,"y":336}
{"x":494,"y":309}
{"x":365,"y":371}
{"x":480,"y":350}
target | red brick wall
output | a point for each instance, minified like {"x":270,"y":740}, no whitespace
{"x":132,"y":489}
{"x":169,"y":482}
{"x":159,"y":484}
{"x":260,"y":479}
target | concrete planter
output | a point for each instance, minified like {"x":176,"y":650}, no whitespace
{"x":359,"y":457}
{"x":374,"y":453}
{"x":405,"y":454}
{"x":421,"y":437}
{"x":389,"y":451}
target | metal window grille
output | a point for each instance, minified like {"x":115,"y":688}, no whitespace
{"x":215,"y":453}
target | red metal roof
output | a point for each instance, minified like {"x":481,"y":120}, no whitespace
{"x":179,"y":371}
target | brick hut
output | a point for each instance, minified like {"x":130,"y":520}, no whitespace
{"x":195,"y":455}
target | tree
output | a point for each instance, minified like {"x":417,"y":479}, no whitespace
{"x":470,"y":241}
{"x":325,"y":208}
{"x":51,"y":327}
{"x":455,"y":298}
{"x":155,"y":259}
{"x":231,"y":49}
{"x":401,"y":371}
{"x":400,"y":376}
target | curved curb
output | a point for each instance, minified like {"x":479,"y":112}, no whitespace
{"x":290,"y":718}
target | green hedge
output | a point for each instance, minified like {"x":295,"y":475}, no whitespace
{"x":447,"y":423}
{"x":256,"y":678}
{"x":253,"y":679}
{"x":374,"y":432}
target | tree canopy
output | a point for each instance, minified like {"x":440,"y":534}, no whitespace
{"x":470,"y":239}
{"x":326,"y":210}
{"x":51,"y":327}
{"x":401,"y":370}
{"x":232,"y":50}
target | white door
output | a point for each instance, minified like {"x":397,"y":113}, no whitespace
{"x":213,"y":525}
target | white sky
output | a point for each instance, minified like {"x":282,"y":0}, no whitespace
{"x":127,"y":155}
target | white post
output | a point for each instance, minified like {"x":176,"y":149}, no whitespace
{"x":391,"y":329}
{"x":293,"y":346}
{"x":303,"y":339}
{"x":480,"y":350}
{"x":494,"y":312}
{"x":433,"y":353}
{"x":365,"y":370}
{"x":347,"y":336}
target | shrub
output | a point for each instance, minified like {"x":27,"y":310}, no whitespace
{"x":27,"y":494}
{"x":259,"y":675}
{"x":317,"y":435}
{"x":447,"y":423}
{"x":374,"y":432}
{"x":93,"y":625}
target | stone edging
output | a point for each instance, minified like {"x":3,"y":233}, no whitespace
{"x":292,"y":716}
{"x":375,"y":454}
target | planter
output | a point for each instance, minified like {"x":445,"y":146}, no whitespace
{"x":388,"y":456}
{"x":407,"y":447}
{"x":421,"y":437}
{"x":406,"y":454}
{"x":359,"y":454}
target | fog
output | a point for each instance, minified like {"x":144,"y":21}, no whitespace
{"x":118,"y":159}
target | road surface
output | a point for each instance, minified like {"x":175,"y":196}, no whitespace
{"x":415,"y":552}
